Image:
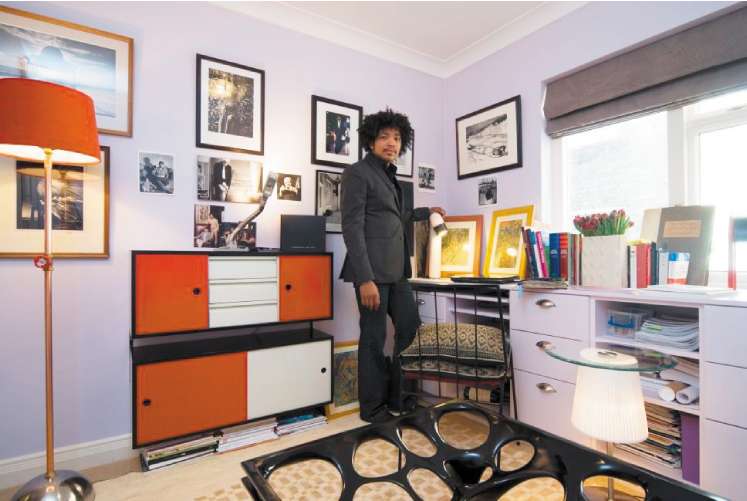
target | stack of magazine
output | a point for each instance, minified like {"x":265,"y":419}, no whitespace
{"x":664,"y":443}
{"x":244,"y":436}
{"x":673,"y":332}
{"x":297,"y":424}
{"x":176,"y":452}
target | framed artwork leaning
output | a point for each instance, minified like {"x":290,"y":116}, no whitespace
{"x":80,"y":211}
{"x":92,"y":61}
{"x":328,"y":199}
{"x":489,"y":139}
{"x":345,"y":384}
{"x":461,"y":246}
{"x":230,"y":106}
{"x":505,"y":251}
{"x":334,"y":137}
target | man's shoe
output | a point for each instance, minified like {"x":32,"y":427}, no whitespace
{"x":381,"y":415}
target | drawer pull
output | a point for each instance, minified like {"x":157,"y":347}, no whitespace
{"x":543,"y":345}
{"x":324,"y":370}
{"x":420,"y":302}
{"x":196,"y":291}
{"x":545,"y":303}
{"x":288,"y":287}
{"x":146,"y":402}
{"x":546,"y":388}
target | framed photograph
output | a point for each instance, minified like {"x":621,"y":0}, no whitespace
{"x":289,"y":187}
{"x":405,"y":162}
{"x":80,"y":209}
{"x":230,"y":106}
{"x":489,"y":140}
{"x":156,"y":173}
{"x":334,"y":136}
{"x":461,"y":246}
{"x":345,"y":383}
{"x":229,"y":180}
{"x":328,"y":199}
{"x":487,"y":191}
{"x":505,"y":251}
{"x":92,"y":61}
{"x":426,"y":178}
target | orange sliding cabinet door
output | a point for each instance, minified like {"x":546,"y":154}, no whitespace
{"x":178,"y":397}
{"x":171,"y":293}
{"x":305,"y":287}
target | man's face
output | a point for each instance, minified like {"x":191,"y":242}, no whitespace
{"x":387,"y":144}
{"x":287,"y":182}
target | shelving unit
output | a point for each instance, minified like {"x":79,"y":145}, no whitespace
{"x":688,"y":409}
{"x":620,"y":341}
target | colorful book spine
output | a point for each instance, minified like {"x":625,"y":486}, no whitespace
{"x":554,"y":255}
{"x":663,"y":267}
{"x":542,"y":256}
{"x":531,"y":269}
{"x":633,"y":266}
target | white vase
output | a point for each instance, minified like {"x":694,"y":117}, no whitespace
{"x":604,"y":262}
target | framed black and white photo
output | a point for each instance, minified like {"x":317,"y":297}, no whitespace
{"x":289,"y":187}
{"x":487,"y":191}
{"x":334,"y":136}
{"x":230,"y":106}
{"x":426,"y":178}
{"x":87,"y":59}
{"x":328,"y":199}
{"x":229,"y":180}
{"x":156,"y":173}
{"x":489,"y":140}
{"x":404,"y":162}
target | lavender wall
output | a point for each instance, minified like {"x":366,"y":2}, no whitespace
{"x":92,"y":297}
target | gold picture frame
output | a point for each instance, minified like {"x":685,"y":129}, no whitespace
{"x":505,"y":251}
{"x":345,"y":380}
{"x":461,"y":246}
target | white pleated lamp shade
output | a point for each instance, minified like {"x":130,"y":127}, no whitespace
{"x":608,"y":404}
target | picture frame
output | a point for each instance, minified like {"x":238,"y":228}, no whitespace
{"x":427,"y":176}
{"x":156,"y":172}
{"x":288,"y":187}
{"x":405,"y":163}
{"x":489,"y":139}
{"x":345,"y":380}
{"x":461,"y":246}
{"x":505,"y":254}
{"x":228,"y":179}
{"x":327,"y":200}
{"x":334,"y":141}
{"x":93,"y":61}
{"x":81,"y":209}
{"x":230,"y":106}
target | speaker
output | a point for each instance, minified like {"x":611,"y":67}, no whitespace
{"x":302,"y":233}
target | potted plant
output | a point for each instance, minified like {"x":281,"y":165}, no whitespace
{"x":604,"y":248}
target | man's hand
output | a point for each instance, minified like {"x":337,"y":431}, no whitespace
{"x":439,"y":210}
{"x":370,"y":295}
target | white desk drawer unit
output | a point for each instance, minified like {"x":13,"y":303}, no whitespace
{"x":233,"y":267}
{"x":725,"y":337}
{"x":723,"y":391}
{"x":528,"y":355}
{"x":561,"y":315}
{"x":225,"y":315}
{"x":234,"y":291}
{"x":722,"y":460}
{"x":427,"y":305}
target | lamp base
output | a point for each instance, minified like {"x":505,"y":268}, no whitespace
{"x":63,"y":485}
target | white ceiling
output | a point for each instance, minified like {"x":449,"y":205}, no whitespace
{"x":440,"y":38}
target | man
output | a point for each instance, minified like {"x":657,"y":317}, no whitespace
{"x":221,"y":181}
{"x":287,"y":191}
{"x":378,"y":261}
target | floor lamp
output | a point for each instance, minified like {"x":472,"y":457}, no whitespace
{"x":45,"y":122}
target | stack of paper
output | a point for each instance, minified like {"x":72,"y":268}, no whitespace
{"x":261,"y":431}
{"x":664,"y":443}
{"x":176,"y":452}
{"x":300,"y":423}
{"x":673,"y":332}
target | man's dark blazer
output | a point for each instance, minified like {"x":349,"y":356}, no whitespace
{"x":373,"y":224}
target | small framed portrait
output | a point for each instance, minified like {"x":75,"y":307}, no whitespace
{"x":156,"y":173}
{"x":80,"y":209}
{"x":426,"y":178}
{"x":505,"y":251}
{"x":87,"y":59}
{"x":229,"y":180}
{"x":461,"y":246}
{"x":230,"y":106}
{"x":328,"y":199}
{"x":405,"y":162}
{"x":487,"y":191}
{"x":289,"y":187}
{"x":334,"y":132}
{"x":345,"y":383}
{"x":489,"y":140}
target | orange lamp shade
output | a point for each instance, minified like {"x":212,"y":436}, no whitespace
{"x":36,"y":115}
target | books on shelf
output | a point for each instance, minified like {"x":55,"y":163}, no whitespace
{"x":553,"y":255}
{"x":663,"y":445}
{"x":177,"y":452}
{"x":673,"y":332}
{"x":244,"y":436}
{"x":300,"y":423}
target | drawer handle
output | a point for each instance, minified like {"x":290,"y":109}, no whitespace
{"x":545,"y":303}
{"x":543,"y":345}
{"x":196,"y":291}
{"x":546,"y":388}
{"x":324,"y":370}
{"x":146,"y":402}
{"x":288,"y":287}
{"x":420,"y":302}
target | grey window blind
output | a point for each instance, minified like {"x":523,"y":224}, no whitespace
{"x":703,"y":60}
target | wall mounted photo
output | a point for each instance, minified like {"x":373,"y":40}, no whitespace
{"x":505,"y":252}
{"x":289,"y":187}
{"x":156,"y":173}
{"x":334,"y":132}
{"x":426,"y":178}
{"x":487,"y":191}
{"x":328,"y":199}
{"x":345,"y":383}
{"x":80,"y":209}
{"x":92,"y":61}
{"x":404,"y":162}
{"x":461,"y":246}
{"x":229,"y":180}
{"x":230,"y":106}
{"x":489,"y":140}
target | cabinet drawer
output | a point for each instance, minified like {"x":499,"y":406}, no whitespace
{"x":427,"y":304}
{"x":232,"y":267}
{"x":226,"y":315}
{"x":529,"y":357}
{"x":725,"y":339}
{"x":722,"y":459}
{"x":722,"y":394}
{"x":558,"y":315}
{"x":236,"y":292}
{"x":548,"y":409}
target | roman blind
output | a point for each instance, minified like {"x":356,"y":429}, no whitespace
{"x":705,"y":59}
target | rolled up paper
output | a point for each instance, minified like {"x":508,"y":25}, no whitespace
{"x":669,"y":392}
{"x":675,"y":375}
{"x":688,"y":395}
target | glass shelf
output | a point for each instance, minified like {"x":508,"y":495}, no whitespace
{"x":613,"y":357}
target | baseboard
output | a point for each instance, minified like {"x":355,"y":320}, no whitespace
{"x":18,"y":470}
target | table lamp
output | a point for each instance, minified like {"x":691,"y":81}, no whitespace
{"x":46,"y":122}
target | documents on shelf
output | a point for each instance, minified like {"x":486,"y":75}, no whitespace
{"x":679,"y":333}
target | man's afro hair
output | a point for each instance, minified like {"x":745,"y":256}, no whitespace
{"x":372,"y":124}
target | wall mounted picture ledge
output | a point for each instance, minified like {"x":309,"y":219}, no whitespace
{"x":92,"y":61}
{"x":489,"y":139}
{"x":334,"y":136}
{"x":230,"y":106}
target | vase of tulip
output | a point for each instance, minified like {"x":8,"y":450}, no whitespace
{"x":604,"y":249}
